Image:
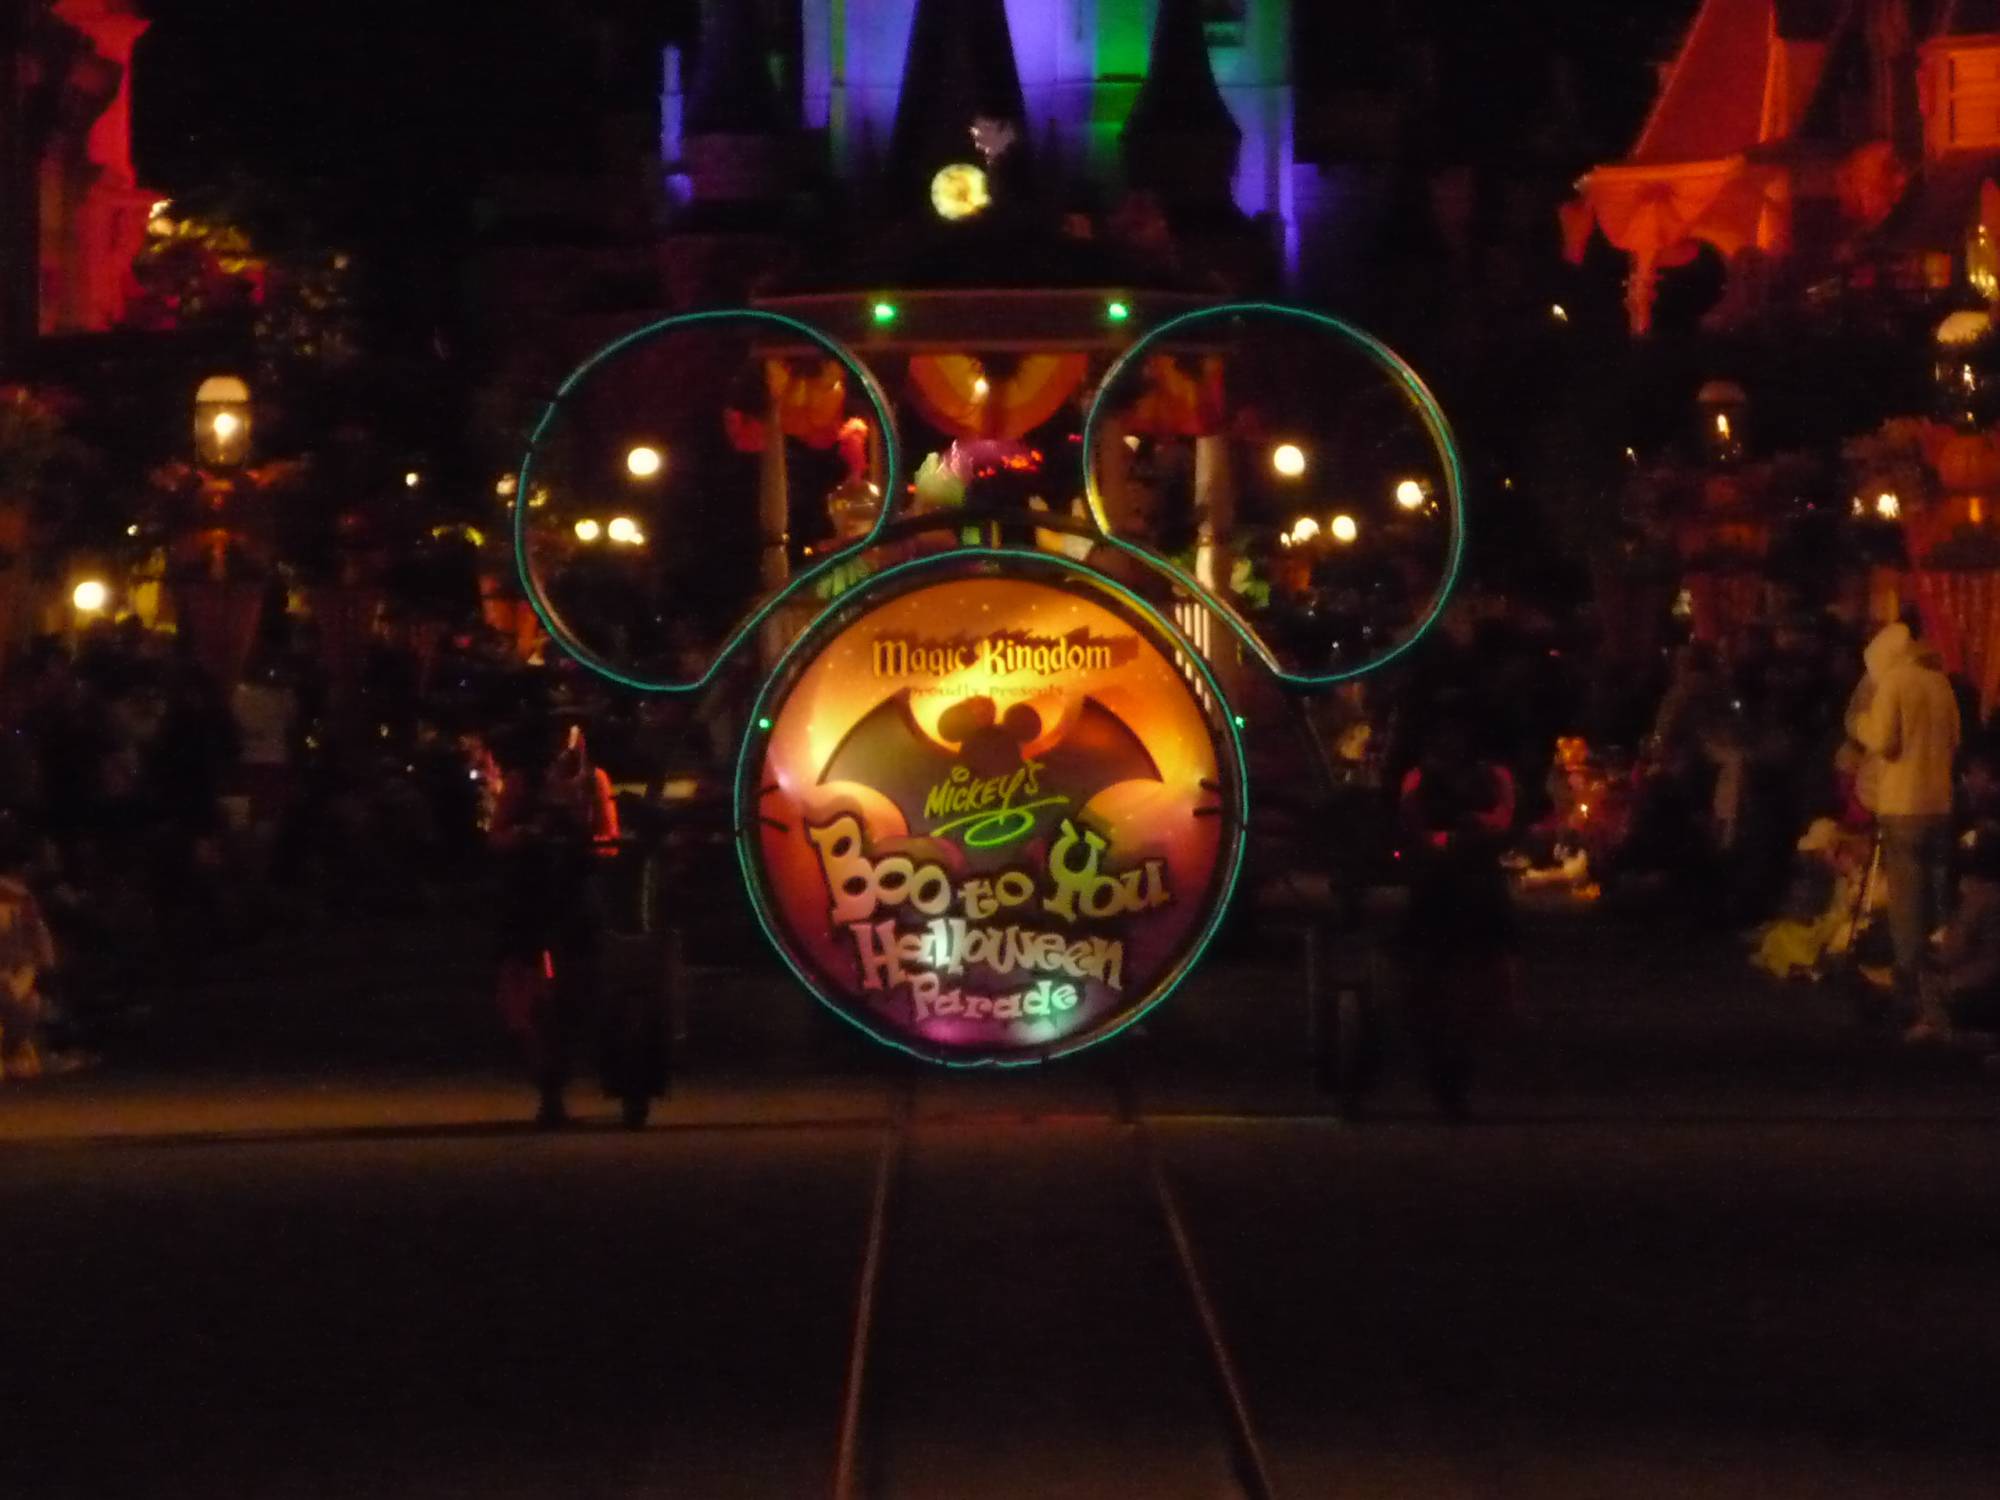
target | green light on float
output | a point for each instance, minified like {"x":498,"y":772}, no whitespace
{"x":1117,"y":312}
{"x":884,"y":313}
{"x":764,"y":724}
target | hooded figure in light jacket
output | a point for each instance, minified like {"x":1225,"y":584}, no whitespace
{"x":1905,"y":718}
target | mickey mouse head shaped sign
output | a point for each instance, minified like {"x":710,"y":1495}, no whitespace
{"x":991,"y":803}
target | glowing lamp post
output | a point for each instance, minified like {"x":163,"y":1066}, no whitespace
{"x":222,"y":422}
{"x":1964,"y":367}
{"x":1723,"y":406}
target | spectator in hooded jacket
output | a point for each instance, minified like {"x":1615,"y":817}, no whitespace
{"x":1907,"y":722}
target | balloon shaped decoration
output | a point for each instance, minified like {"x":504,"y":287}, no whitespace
{"x":991,"y":801}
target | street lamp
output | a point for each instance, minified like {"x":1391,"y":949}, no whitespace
{"x":1289,"y":460}
{"x":1344,"y":530}
{"x":1964,"y":369}
{"x":1723,"y":406}
{"x":222,"y":422}
{"x":643,"y":461}
{"x":90,"y":596}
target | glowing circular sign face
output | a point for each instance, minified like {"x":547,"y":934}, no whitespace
{"x":959,"y":191}
{"x":994,"y":818}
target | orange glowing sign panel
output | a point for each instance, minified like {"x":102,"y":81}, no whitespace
{"x":996,"y":817}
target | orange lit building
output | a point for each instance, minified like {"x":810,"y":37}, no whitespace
{"x":1816,"y":148}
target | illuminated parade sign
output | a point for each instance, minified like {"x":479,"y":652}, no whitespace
{"x":995,"y":817}
{"x":991,"y":807}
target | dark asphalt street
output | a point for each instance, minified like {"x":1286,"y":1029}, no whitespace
{"x":1704,"y":1240}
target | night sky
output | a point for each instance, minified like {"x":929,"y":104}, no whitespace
{"x":389,"y":107}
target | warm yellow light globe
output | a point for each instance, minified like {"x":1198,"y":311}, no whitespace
{"x":959,"y":191}
{"x":1344,"y":530}
{"x":588,"y":530}
{"x":644,"y":461}
{"x":1410,"y":494}
{"x":1289,"y":459}
{"x":225,"y":425}
{"x":623,"y":529}
{"x":91,"y":596}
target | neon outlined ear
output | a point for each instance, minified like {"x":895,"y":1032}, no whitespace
{"x":544,"y":607}
{"x":1383,"y":358}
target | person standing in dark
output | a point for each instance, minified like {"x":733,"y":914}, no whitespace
{"x":555,"y":819}
{"x":187,"y":764}
{"x":1458,"y":939}
{"x":1906,"y":719}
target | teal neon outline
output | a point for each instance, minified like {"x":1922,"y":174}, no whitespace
{"x":891,"y":477}
{"x":1391,"y":364}
{"x":748,"y":818}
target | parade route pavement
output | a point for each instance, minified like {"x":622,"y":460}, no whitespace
{"x":1703,"y":1238}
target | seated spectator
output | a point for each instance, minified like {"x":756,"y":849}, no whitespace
{"x":26,"y":953}
{"x":1820,"y":906}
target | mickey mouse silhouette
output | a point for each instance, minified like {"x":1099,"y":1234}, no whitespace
{"x":990,"y":748}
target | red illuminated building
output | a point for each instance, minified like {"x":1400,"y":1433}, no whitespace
{"x":72,"y":213}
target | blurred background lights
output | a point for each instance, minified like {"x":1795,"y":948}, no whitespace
{"x":412,"y":479}
{"x":623,"y":529}
{"x":643,"y":461}
{"x":1304,"y":529}
{"x":1289,"y":459}
{"x":1344,"y":530}
{"x":90,"y":596}
{"x":588,"y":530}
{"x":1410,"y":494}
{"x":1888,"y":506}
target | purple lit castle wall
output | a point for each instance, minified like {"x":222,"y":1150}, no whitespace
{"x":1080,"y":64}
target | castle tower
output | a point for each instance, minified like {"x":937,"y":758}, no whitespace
{"x":737,"y":149}
{"x":1181,"y":143}
{"x":959,"y":69}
